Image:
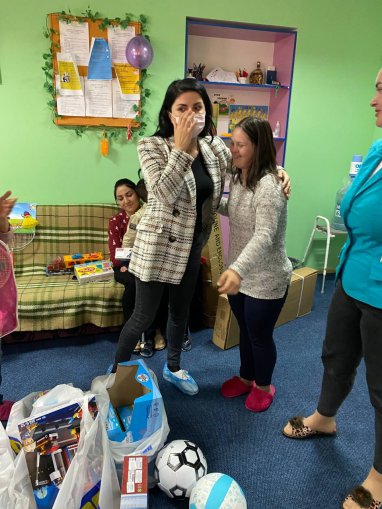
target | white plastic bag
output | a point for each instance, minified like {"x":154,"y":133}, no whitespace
{"x":15,"y":487}
{"x":92,"y":472}
{"x":148,"y":446}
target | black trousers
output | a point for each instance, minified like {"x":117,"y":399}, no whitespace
{"x":353,"y":331}
{"x":256,"y":319}
{"x":128,"y":302}
{"x":147,"y":302}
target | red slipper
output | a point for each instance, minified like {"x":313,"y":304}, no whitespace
{"x":5,"y":409}
{"x":259,"y":400}
{"x":234,"y":387}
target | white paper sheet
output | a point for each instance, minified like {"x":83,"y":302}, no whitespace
{"x":74,"y":39}
{"x":70,"y":105}
{"x":121,"y":107}
{"x":118,"y":39}
{"x":98,"y":98}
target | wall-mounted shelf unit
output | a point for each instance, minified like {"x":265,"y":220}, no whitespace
{"x":232,"y":45}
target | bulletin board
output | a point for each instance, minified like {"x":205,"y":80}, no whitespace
{"x":94,"y":31}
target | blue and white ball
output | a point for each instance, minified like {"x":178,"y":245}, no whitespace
{"x":217,"y":491}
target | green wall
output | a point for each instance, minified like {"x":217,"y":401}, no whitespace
{"x":338,"y":55}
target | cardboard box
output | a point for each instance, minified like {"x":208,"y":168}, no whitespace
{"x":226,"y":331}
{"x":210,"y":298}
{"x":298,"y":303}
{"x":134,"y":488}
{"x":135,"y":409}
{"x":213,"y":252}
{"x":94,"y":271}
{"x":300,"y":295}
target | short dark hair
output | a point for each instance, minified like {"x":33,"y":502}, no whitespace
{"x":165,"y":128}
{"x":123,"y":182}
{"x":260,"y":134}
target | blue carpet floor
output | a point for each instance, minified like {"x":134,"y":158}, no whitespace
{"x":274,"y":472}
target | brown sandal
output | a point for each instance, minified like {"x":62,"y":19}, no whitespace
{"x":299,"y":430}
{"x":363,"y":498}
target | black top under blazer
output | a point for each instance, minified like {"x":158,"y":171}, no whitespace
{"x":166,"y":230}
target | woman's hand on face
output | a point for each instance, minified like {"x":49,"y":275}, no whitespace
{"x":183,"y":130}
{"x":285,"y":179}
{"x":229,"y":282}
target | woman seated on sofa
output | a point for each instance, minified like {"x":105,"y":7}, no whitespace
{"x":129,"y":198}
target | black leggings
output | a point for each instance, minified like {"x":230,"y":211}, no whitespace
{"x":256,"y":319}
{"x":147,"y":301}
{"x":353,"y":330}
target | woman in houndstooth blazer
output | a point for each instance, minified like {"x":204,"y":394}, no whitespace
{"x":184,"y":166}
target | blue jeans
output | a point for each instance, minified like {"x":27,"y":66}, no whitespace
{"x":256,"y":319}
{"x":147,"y":301}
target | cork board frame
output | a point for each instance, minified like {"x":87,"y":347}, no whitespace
{"x":94,"y":31}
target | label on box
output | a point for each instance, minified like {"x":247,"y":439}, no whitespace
{"x":134,"y":487}
{"x":123,"y":253}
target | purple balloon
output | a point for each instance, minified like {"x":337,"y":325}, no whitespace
{"x":139,"y":52}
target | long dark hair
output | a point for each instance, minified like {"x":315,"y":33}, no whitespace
{"x":139,"y":187}
{"x":123,"y":182}
{"x":264,"y":162}
{"x":165,"y":129}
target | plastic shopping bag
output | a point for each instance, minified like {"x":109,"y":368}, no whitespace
{"x":148,"y":446}
{"x":90,"y":480}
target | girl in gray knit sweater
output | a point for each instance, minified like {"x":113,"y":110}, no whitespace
{"x":259,"y":270}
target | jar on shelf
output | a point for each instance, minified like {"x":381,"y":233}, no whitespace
{"x":257,"y":77}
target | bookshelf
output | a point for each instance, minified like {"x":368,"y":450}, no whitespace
{"x":232,"y":45}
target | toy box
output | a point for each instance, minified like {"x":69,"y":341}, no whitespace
{"x":75,"y":259}
{"x":94,"y":271}
{"x":135,"y":410}
{"x":50,"y":441}
{"x":134,"y":487}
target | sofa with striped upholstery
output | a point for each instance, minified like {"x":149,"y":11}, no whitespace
{"x":60,"y":302}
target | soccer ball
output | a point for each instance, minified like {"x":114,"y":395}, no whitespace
{"x":219,"y":491}
{"x":178,"y":466}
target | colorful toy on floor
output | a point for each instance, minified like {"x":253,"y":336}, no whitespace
{"x":178,"y":466}
{"x":217,"y":491}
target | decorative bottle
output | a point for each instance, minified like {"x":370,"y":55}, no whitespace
{"x":338,"y":222}
{"x":257,"y":76}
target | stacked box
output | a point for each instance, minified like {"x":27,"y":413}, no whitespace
{"x":298,"y":303}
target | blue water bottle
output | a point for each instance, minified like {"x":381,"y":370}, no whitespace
{"x":338,"y":223}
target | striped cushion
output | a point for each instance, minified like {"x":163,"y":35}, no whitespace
{"x":59,"y":302}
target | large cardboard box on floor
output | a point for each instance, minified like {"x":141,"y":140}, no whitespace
{"x":298,"y":303}
{"x":135,"y":409}
{"x":211,"y":271}
{"x":213,"y":252}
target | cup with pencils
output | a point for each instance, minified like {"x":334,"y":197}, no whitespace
{"x":242,"y":76}
{"x":197,"y":71}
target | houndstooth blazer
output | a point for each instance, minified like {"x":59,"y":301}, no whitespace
{"x":165,"y":232}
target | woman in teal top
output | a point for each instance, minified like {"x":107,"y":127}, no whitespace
{"x":354,"y":325}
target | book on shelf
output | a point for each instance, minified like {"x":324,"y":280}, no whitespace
{"x":50,"y":441}
{"x":239,"y":111}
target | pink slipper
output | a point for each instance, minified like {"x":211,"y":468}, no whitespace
{"x":234,"y":387}
{"x":259,"y":400}
{"x":5,"y":409}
